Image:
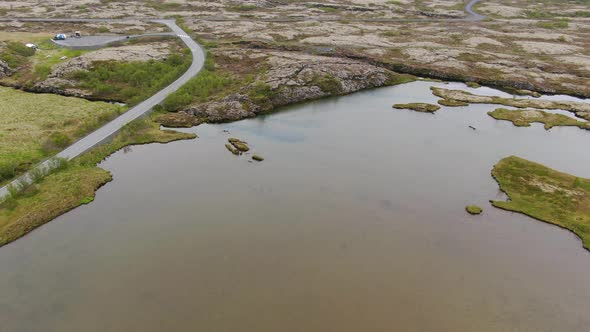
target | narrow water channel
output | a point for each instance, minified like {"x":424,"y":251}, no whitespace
{"x":354,"y":222}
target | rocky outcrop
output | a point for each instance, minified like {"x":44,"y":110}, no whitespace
{"x":5,"y":70}
{"x":59,"y":80}
{"x":60,"y":86}
{"x":292,"y":78}
{"x":418,"y":107}
{"x":580,"y":109}
{"x":231,"y":108}
{"x":300,"y":77}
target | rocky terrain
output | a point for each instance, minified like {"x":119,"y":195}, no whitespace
{"x":506,"y":53}
{"x":581,"y":110}
{"x":304,"y":50}
{"x":62,"y":81}
{"x":262,"y":9}
{"x":5,"y":70}
{"x":290,"y":78}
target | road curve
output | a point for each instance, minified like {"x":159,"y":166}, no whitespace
{"x":472,"y":15}
{"x":95,"y":42}
{"x":111,"y":128}
{"x":145,"y":107}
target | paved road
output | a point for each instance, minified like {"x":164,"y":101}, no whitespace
{"x":145,"y":107}
{"x":136,"y":112}
{"x":471,"y":14}
{"x":94,"y":42}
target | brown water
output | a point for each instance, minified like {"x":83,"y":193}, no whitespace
{"x":354,"y":222}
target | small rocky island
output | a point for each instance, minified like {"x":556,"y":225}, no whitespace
{"x":418,"y":107}
{"x":473,"y":209}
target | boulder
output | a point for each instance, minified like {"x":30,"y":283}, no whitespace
{"x":5,"y":70}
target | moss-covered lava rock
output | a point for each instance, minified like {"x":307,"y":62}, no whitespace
{"x":418,"y":107}
{"x":473,"y":209}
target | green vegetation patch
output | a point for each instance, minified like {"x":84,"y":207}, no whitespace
{"x":562,"y":23}
{"x":473,"y":209}
{"x":460,"y":95}
{"x":452,"y":103}
{"x":233,"y":150}
{"x":33,"y":65}
{"x":327,"y":83}
{"x":242,"y":8}
{"x":52,"y":197}
{"x":208,"y":83}
{"x":545,"y":194}
{"x":396,"y":78}
{"x":239,"y":144}
{"x":262,"y":94}
{"x":131,"y":82}
{"x":36,"y":126}
{"x":179,"y":120}
{"x":418,"y":107}
{"x":524,"y":118}
{"x":87,"y":200}
{"x":74,"y":183}
{"x":15,"y":54}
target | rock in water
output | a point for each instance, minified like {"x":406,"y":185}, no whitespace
{"x":473,"y":209}
{"x":418,"y":107}
{"x":257,"y":157}
{"x":233,"y":150}
{"x":452,"y":103}
{"x":239,"y":144}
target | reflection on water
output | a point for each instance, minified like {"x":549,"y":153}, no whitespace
{"x":354,"y":222}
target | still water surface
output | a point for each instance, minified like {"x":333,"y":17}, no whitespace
{"x":354,"y":222}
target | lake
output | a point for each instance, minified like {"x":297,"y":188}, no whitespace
{"x":355,"y":221}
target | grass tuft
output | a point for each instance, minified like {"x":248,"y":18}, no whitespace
{"x":72,"y":183}
{"x":473,"y":209}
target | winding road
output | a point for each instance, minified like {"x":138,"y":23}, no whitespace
{"x":471,"y":14}
{"x":94,"y":42}
{"x":146,"y":106}
{"x":111,"y":128}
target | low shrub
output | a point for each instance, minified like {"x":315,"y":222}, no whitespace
{"x":20,"y":49}
{"x":131,"y":82}
{"x":200,"y":88}
{"x":55,"y":142}
{"x":7,"y":170}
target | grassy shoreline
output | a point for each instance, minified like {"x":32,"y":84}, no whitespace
{"x":580,"y":109}
{"x":545,"y":194}
{"x":524,"y":118}
{"x":75,"y":183}
{"x":34,"y":127}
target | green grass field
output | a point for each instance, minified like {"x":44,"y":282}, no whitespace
{"x":36,"y":126}
{"x":74,"y":183}
{"x":32,"y":66}
{"x":545,"y":194}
